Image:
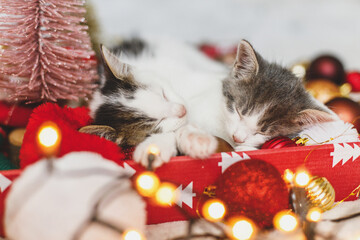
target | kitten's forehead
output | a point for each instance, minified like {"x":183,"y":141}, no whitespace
{"x":147,"y":77}
{"x":252,"y":120}
{"x":272,"y":85}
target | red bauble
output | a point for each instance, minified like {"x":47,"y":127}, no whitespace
{"x":278,"y":142}
{"x":328,"y":67}
{"x":254,"y":189}
{"x":354,"y":79}
{"x":210,"y":50}
{"x":346,"y":109}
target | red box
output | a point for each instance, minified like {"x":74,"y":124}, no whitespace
{"x":339,"y":163}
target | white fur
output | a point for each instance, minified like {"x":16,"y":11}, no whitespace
{"x":94,"y":104}
{"x":190,"y":140}
{"x":157,"y":107}
{"x":176,"y":66}
{"x":43,"y":205}
{"x":346,"y":229}
{"x":243,"y":130}
{"x":170,"y":114}
{"x":165,"y":142}
{"x":194,"y":142}
{"x":330,"y":132}
{"x":186,"y":78}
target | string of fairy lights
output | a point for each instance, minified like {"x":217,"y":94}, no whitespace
{"x":48,"y":141}
{"x":309,"y":198}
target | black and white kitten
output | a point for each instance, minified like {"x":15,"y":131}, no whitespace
{"x":169,"y":94}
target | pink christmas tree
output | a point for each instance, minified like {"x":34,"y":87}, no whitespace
{"x":45,"y":51}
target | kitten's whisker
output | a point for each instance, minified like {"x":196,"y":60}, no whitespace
{"x":157,"y":125}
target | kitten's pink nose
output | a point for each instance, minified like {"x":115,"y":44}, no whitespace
{"x":237,"y":139}
{"x":179,"y":110}
{"x":182,"y":111}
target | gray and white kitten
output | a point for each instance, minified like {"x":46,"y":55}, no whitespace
{"x":167,"y":93}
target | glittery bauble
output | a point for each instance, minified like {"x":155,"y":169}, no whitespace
{"x":278,"y":142}
{"x":322,"y":89}
{"x":346,"y":109}
{"x":320,"y":193}
{"x":328,"y":67}
{"x":254,"y":189}
{"x":354,"y":79}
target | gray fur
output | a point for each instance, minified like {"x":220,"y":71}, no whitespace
{"x":254,"y":86}
{"x":273,"y":90}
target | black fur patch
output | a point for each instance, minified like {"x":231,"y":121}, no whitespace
{"x":112,"y":85}
{"x":131,"y":126}
{"x":132,"y":47}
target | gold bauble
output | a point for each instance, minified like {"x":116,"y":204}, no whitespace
{"x":323,"y":90}
{"x":16,"y":138}
{"x":320,"y":193}
{"x":345,"y":89}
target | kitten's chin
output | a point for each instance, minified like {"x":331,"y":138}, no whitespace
{"x":253,"y":143}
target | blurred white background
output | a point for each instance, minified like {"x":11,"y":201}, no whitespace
{"x":286,"y":31}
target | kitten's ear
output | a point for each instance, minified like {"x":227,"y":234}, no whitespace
{"x":312,"y":116}
{"x":246,"y":63}
{"x":100,"y":130}
{"x":113,"y":65}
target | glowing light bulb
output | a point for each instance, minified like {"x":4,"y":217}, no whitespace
{"x":132,"y":235}
{"x":302,"y":178}
{"x":314,"y":214}
{"x":299,"y":70}
{"x":165,"y":195}
{"x":242,"y":228}
{"x":288,"y":176}
{"x":49,"y":138}
{"x":285,"y":221}
{"x":214,"y":210}
{"x":153,"y":149}
{"x":147,"y":183}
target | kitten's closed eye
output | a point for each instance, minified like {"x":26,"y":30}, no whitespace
{"x":264,"y":129}
{"x":164,"y":95}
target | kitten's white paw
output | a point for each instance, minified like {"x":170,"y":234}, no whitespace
{"x":165,"y":142}
{"x":195,"y":142}
{"x":244,"y":148}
